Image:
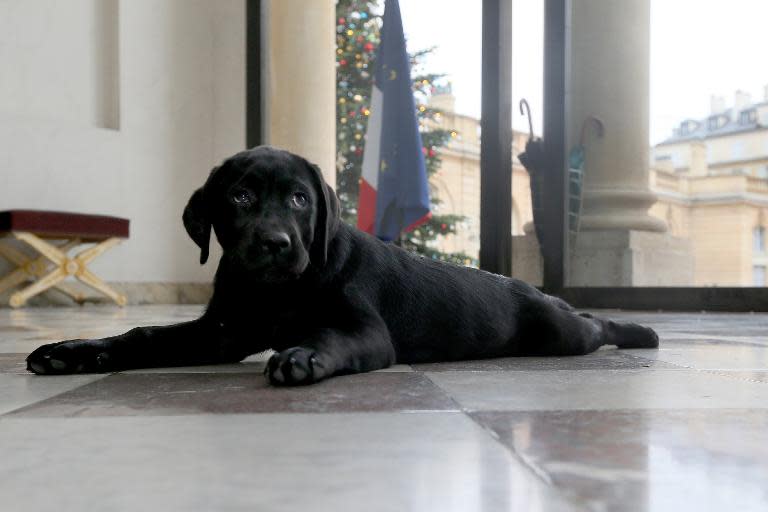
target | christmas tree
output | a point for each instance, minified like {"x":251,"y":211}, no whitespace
{"x":357,"y":37}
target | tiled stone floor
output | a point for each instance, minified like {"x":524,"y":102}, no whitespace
{"x":681,"y":428}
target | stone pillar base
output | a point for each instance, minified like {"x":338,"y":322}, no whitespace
{"x":613,"y":258}
{"x":527,"y":263}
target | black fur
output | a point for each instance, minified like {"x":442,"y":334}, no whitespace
{"x":329,"y":298}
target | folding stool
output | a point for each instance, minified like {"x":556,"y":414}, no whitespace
{"x":39,"y":229}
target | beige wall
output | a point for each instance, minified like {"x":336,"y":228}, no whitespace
{"x":719,"y":242}
{"x":746,"y":151}
{"x":457,"y":183}
{"x":718,"y":214}
{"x":121,"y":107}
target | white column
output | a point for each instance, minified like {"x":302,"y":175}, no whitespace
{"x":609,"y":79}
{"x":300,"y":79}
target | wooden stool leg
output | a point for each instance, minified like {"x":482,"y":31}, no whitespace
{"x":39,"y":267}
{"x":13,"y":279}
{"x":90,"y":254}
{"x":66,"y":266}
{"x":89,"y":278}
{"x":50,"y":251}
{"x":19,"y":298}
{"x":18,"y":275}
{"x":13,"y":255}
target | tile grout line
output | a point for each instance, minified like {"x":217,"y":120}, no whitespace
{"x":12,"y":411}
{"x":679,"y":366}
{"x":720,"y":372}
{"x":538,"y":472}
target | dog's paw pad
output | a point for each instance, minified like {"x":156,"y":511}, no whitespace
{"x":293,"y":366}
{"x":35,"y":367}
{"x":277,"y":376}
{"x":57,"y":364}
{"x":75,"y":356}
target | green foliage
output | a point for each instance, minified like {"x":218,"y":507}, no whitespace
{"x":357,"y":37}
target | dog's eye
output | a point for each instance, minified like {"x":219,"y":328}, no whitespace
{"x":299,"y":200}
{"x":241,"y":197}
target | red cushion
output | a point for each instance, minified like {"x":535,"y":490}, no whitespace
{"x":79,"y":225}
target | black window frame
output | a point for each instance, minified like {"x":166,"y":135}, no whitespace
{"x":253,"y":94}
{"x":555,"y":266}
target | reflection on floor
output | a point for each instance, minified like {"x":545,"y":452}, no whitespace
{"x":681,"y":428}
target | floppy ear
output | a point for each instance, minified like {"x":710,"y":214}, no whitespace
{"x":328,"y":217}
{"x":198,"y":223}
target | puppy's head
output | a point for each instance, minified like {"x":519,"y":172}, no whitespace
{"x":271,"y":210}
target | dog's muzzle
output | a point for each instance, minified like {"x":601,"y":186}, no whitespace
{"x":277,"y":243}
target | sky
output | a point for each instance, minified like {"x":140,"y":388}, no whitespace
{"x":698,"y":48}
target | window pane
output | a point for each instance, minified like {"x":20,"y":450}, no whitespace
{"x":758,"y":275}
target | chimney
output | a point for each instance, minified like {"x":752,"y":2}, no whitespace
{"x":717,"y":103}
{"x":741,"y":100}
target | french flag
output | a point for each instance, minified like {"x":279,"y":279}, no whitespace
{"x":394,"y":191}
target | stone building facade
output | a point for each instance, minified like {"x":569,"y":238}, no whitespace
{"x":711,"y":178}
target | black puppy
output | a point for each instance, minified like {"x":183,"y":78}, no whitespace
{"x":329,"y":298}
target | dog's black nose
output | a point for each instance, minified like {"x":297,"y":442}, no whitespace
{"x":276,"y":242}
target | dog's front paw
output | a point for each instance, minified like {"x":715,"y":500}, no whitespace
{"x":294,"y":366}
{"x":74,"y":356}
{"x":637,"y":336}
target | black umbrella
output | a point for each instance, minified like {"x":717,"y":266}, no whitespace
{"x":533,"y":159}
{"x":543,"y":176}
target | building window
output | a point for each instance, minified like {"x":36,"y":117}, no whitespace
{"x":688,"y":127}
{"x":737,"y":149}
{"x":762,"y":172}
{"x":758,"y":240}
{"x":716,"y":122}
{"x":748,"y":116}
{"x":758,"y":275}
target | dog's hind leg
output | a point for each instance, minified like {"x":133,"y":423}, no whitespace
{"x":548,"y":329}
